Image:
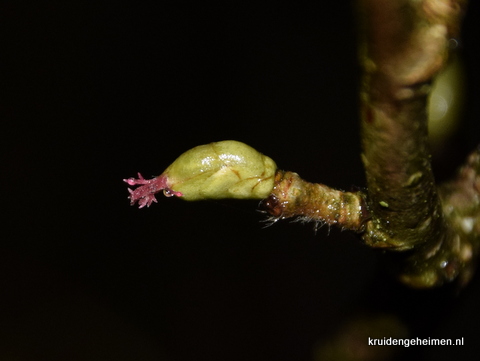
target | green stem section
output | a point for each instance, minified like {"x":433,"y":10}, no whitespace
{"x":294,"y":197}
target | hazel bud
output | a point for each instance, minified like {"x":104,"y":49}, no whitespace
{"x":226,"y":169}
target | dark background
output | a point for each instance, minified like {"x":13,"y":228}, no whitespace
{"x":97,"y":91}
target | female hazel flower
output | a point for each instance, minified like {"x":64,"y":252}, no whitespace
{"x":226,"y":169}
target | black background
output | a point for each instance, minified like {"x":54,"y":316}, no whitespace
{"x":97,"y":91}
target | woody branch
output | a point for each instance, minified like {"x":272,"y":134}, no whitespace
{"x":404,"y":44}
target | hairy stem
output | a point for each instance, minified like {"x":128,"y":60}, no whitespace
{"x":294,"y":197}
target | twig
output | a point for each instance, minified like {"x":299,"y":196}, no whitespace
{"x":405,"y":45}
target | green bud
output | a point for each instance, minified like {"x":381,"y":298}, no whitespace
{"x":227,"y":169}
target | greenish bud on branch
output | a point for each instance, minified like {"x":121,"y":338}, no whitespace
{"x":226,"y":169}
